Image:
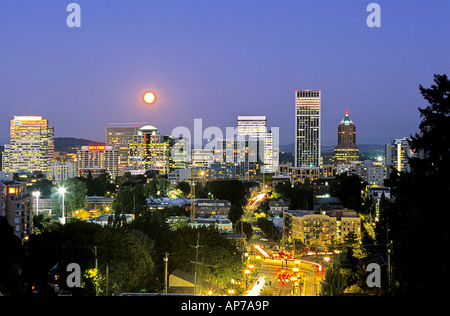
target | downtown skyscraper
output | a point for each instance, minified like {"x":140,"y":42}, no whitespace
{"x":31,"y":147}
{"x":119,"y":136}
{"x":307,"y":128}
{"x":346,"y":150}
{"x":255,"y":127}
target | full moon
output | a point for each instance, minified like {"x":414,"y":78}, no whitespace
{"x":149,"y":97}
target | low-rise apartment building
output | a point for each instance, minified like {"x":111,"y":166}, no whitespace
{"x":16,"y":206}
{"x":322,"y":226}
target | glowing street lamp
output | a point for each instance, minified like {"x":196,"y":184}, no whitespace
{"x":36,"y":194}
{"x":62,"y":191}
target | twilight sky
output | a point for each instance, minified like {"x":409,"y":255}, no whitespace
{"x":217,"y":59}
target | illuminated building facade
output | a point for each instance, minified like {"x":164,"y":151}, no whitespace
{"x":97,"y":159}
{"x":31,"y":147}
{"x":150,"y":151}
{"x":255,"y":128}
{"x":119,"y":137}
{"x":397,"y":154}
{"x":241,"y":153}
{"x":322,"y":227}
{"x":202,"y":157}
{"x":63,"y":171}
{"x":346,"y":151}
{"x":307,"y":128}
{"x":180,"y":152}
{"x":16,"y":206}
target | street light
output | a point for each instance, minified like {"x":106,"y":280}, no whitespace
{"x":36,"y":194}
{"x":62,"y":191}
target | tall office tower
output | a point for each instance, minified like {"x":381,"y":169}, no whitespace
{"x":180,"y":152}
{"x":346,"y":151}
{"x":255,"y":127}
{"x":31,"y":147}
{"x":119,"y":137}
{"x":252,"y":126}
{"x":307,"y":128}
{"x":149,"y":150}
{"x":397,"y":154}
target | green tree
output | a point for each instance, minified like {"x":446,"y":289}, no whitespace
{"x":234,"y":191}
{"x":334,"y":282}
{"x":219,"y":257}
{"x":433,"y":142}
{"x":74,"y":198}
{"x":235,"y":213}
{"x":246,"y":227}
{"x":154,"y":226}
{"x":417,"y":219}
{"x":127,"y":257}
{"x":302,"y":196}
{"x":348,"y":189}
{"x":268,"y":228}
{"x":11,"y":262}
{"x":284,"y":189}
{"x":130,"y":201}
{"x":184,"y":187}
{"x":44,"y":186}
{"x":157,"y":187}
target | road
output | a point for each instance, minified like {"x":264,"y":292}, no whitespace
{"x":271,"y":269}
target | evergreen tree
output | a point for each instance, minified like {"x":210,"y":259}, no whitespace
{"x":418,"y":218}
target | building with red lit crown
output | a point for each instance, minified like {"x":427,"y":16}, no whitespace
{"x":346,"y":151}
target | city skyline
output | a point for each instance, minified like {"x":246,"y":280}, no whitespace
{"x":216,"y":61}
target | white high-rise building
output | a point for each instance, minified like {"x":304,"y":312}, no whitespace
{"x":398,"y":153}
{"x":307,"y":128}
{"x":255,"y":127}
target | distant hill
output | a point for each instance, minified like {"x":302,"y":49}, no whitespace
{"x":366,"y":151}
{"x":71,"y":144}
{"x":363,"y":148}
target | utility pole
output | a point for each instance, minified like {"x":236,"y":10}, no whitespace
{"x":196,"y":264}
{"x":192,"y":198}
{"x":242,"y":234}
{"x":284,"y":242}
{"x":96,"y":269}
{"x":107,"y":280}
{"x":388,"y":255}
{"x":166,"y":260}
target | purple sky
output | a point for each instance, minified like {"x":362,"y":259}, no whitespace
{"x":217,"y":59}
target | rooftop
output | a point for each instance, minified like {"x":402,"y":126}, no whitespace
{"x":346,"y":120}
